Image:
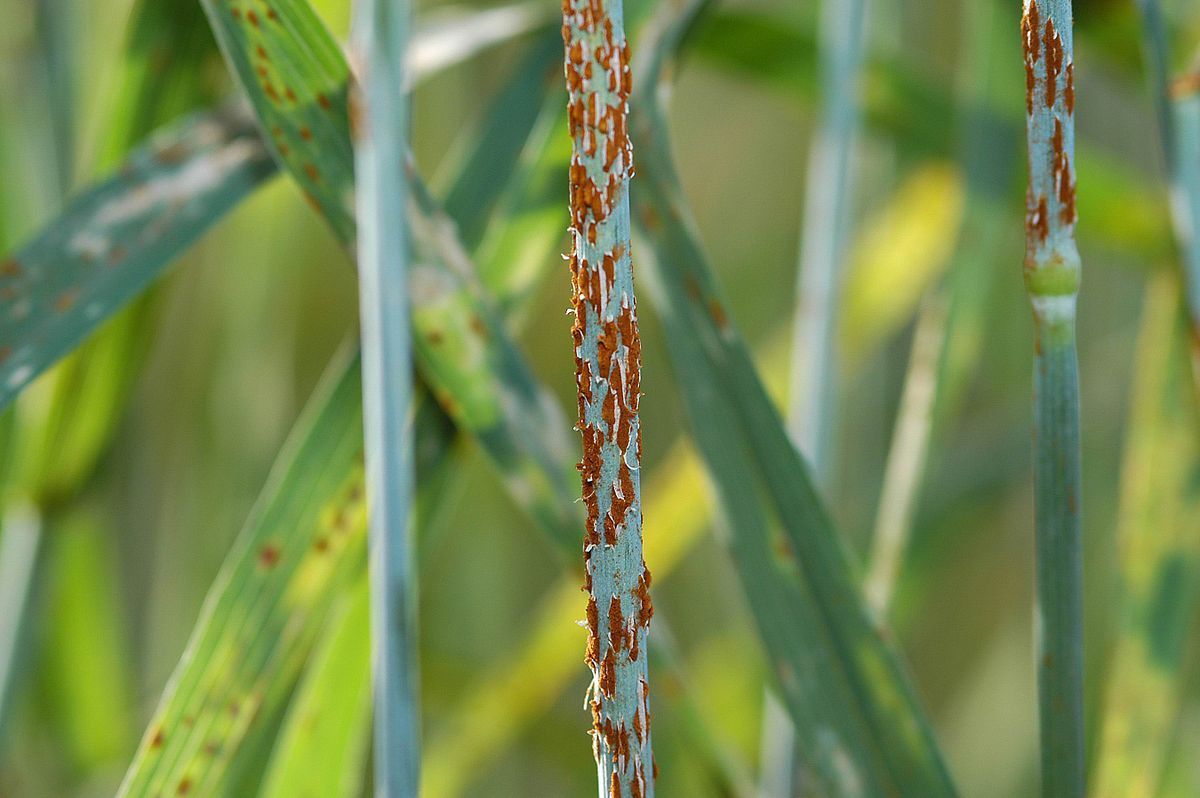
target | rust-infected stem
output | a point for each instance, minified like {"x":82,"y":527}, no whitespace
{"x":608,"y":376}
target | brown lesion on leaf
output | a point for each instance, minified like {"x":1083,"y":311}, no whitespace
{"x":66,"y":300}
{"x":268,"y":556}
{"x":10,"y":267}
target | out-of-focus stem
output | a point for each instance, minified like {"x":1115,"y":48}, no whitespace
{"x":908,"y":453}
{"x":380,"y":37}
{"x":818,"y":290}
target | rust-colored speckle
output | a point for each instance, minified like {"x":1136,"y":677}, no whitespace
{"x":1037,"y":222}
{"x":10,"y":268}
{"x":306,"y":133}
{"x":1031,"y":49}
{"x":252,"y":17}
{"x":614,"y":788}
{"x":156,"y":742}
{"x":185,"y":786}
{"x":66,"y":300}
{"x":321,"y":544}
{"x":616,"y":624}
{"x":718,"y":314}
{"x":117,"y":254}
{"x":261,"y":52}
{"x":1185,"y":85}
{"x":593,"y":624}
{"x":1054,"y":62}
{"x":608,"y":674}
{"x":1069,"y":91}
{"x":268,"y":555}
{"x":291,"y":95}
{"x":272,"y":15}
{"x":235,"y":12}
{"x":323,"y":101}
{"x":312,"y":172}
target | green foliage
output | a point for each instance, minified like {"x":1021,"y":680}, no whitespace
{"x":161,"y":403}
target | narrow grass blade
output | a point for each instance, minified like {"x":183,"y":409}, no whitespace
{"x":264,"y":610}
{"x":1160,"y":556}
{"x":297,"y":79}
{"x":608,"y":374}
{"x":907,"y":456}
{"x":300,"y":618}
{"x":857,"y":718}
{"x":1052,"y":280}
{"x":485,"y":156}
{"x":20,"y":548}
{"x":816,"y":352}
{"x":380,"y":40}
{"x":1159,"y":560}
{"x":827,"y":207}
{"x":329,"y":718}
{"x":114,"y":239}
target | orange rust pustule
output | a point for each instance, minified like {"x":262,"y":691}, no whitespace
{"x":1037,"y":223}
{"x":1031,"y":48}
{"x":608,"y":675}
{"x":616,"y":624}
{"x":268,"y":556}
{"x":1069,"y":91}
{"x":1054,"y":62}
{"x":593,"y":622}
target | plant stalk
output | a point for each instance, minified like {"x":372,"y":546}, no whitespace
{"x":608,"y":376}
{"x":380,"y":34}
{"x":1052,"y":274}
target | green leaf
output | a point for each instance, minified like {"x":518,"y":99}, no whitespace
{"x":1159,"y":555}
{"x":303,"y":543}
{"x":433,"y":439}
{"x":857,"y":717}
{"x":114,"y":239}
{"x":323,"y":742}
{"x":297,"y":79}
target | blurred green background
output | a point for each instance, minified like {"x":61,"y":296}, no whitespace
{"x":229,"y":345}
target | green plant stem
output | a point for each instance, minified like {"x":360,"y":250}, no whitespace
{"x":380,"y":34}
{"x":608,"y":376}
{"x":1052,"y":271}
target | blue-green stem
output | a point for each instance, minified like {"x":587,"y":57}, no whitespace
{"x":608,"y":376}
{"x":818,"y":296}
{"x":1052,"y":270}
{"x":380,"y":33}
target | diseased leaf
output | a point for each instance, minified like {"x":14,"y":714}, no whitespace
{"x":297,"y":79}
{"x":114,"y":239}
